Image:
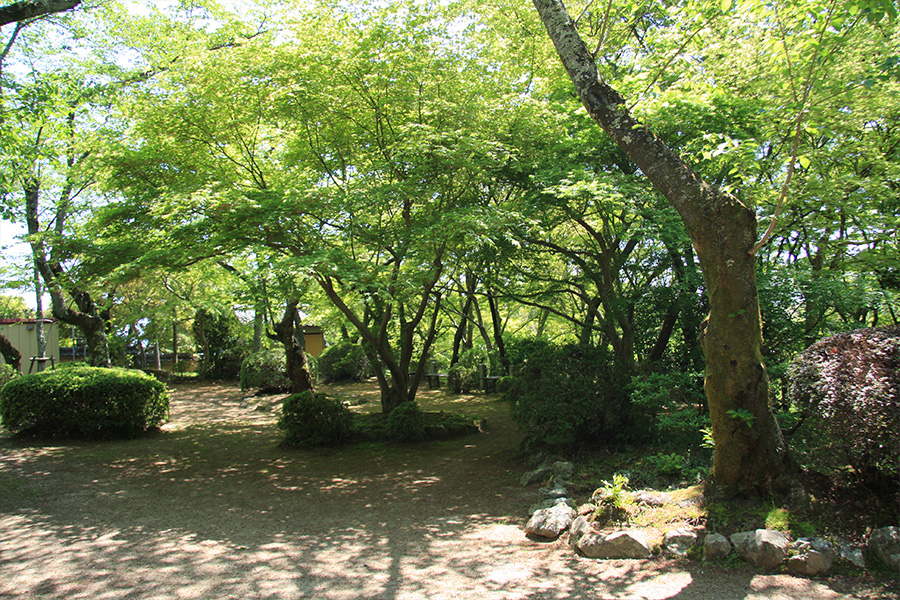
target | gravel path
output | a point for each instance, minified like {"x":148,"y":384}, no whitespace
{"x":211,"y":508}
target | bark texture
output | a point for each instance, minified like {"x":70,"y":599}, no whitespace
{"x":10,"y":354}
{"x":86,"y":315}
{"x":289,"y":332}
{"x":30,"y":9}
{"x":750,"y":453}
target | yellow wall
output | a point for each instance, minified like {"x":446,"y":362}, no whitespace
{"x":23,"y":337}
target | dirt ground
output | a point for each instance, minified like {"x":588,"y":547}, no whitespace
{"x":212,"y":508}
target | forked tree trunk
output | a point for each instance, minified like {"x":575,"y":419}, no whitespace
{"x":87,"y":317}
{"x":750,"y":453}
{"x":289,"y":332}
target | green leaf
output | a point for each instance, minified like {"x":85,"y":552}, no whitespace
{"x":726,"y":5}
{"x":804,"y":161}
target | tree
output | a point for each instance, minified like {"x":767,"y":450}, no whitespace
{"x":750,"y":452}
{"x":31,"y":9}
{"x":289,"y":332}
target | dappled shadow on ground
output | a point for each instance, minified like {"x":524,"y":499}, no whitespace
{"x":212,"y":508}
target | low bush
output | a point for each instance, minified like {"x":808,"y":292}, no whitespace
{"x":84,"y":401}
{"x":264,"y":371}
{"x":847,"y":387}
{"x":310,"y":420}
{"x":406,"y":423}
{"x":462,"y":379}
{"x":563,"y":395}
{"x":344,"y":361}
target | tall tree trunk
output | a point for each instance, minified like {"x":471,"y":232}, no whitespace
{"x":498,"y":331}
{"x":750,"y":453}
{"x":87,"y":318}
{"x":464,"y":318}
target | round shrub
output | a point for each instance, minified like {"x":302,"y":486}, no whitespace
{"x":406,"y":423}
{"x":264,"y":371}
{"x":848,"y":388}
{"x":84,"y":401}
{"x":462,"y":379}
{"x":310,"y":420}
{"x":344,"y":361}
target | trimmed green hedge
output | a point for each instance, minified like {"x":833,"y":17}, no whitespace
{"x":343,"y":362}
{"x":406,"y":423}
{"x":84,"y":401}
{"x":265,"y":371}
{"x":310,"y":420}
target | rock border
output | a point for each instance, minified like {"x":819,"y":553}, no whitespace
{"x":767,"y":549}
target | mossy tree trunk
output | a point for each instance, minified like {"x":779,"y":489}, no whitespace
{"x":289,"y":332}
{"x":750,"y":453}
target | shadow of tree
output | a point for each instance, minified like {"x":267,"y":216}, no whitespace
{"x":212,"y":508}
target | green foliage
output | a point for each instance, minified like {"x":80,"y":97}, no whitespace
{"x":13,"y":307}
{"x":743,"y":415}
{"x":344,"y":361}
{"x":264,"y":371}
{"x":223,"y":351}
{"x":310,"y":420}
{"x":462,"y":379}
{"x":611,"y":500}
{"x":406,"y":423}
{"x":567,"y":394}
{"x":848,"y":388}
{"x":666,"y":465}
{"x":668,"y":407}
{"x":374,"y":427}
{"x":84,"y":401}
{"x":7,"y":374}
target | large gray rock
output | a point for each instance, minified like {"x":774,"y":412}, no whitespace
{"x":884,"y":543}
{"x":814,"y":557}
{"x":853,"y":556}
{"x":580,"y":527}
{"x":680,"y":541}
{"x":550,"y":504}
{"x":716,"y":546}
{"x":764,"y":548}
{"x":620,"y":544}
{"x":542,"y":473}
{"x":552,"y":493}
{"x":551,"y":522}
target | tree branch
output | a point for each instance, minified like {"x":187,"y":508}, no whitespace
{"x":29,"y":9}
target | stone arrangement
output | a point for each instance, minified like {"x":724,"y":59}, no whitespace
{"x":767,"y":549}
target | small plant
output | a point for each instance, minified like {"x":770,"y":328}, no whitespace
{"x":406,"y":423}
{"x":611,"y":499}
{"x":310,"y":420}
{"x":7,"y":374}
{"x":462,"y":379}
{"x":667,"y":465}
{"x":743,"y":415}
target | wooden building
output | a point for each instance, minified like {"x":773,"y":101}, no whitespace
{"x":22,"y":333}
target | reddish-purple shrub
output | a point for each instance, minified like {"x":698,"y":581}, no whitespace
{"x":848,"y":385}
